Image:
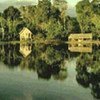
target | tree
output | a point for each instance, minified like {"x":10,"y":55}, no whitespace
{"x":96,"y":6}
{"x":3,"y":27}
{"x":55,"y":30}
{"x":28,"y":12}
{"x":42,"y":12}
{"x":11,"y":13}
{"x":83,"y":9}
{"x":62,"y":6}
{"x":12,"y":17}
{"x":55,"y":13}
{"x":88,"y":16}
{"x":72,"y":25}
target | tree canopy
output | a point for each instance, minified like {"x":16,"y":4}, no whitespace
{"x":88,"y":16}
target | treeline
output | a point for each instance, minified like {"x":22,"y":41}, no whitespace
{"x":88,"y":15}
{"x":50,"y":21}
{"x":45,"y":20}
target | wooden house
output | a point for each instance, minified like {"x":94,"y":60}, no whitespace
{"x":80,"y":37}
{"x":25,"y":35}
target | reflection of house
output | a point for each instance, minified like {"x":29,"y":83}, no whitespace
{"x":80,"y":37}
{"x":25,"y":49}
{"x":80,"y":47}
{"x":25,"y":34}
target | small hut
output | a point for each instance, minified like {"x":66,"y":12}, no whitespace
{"x":25,"y":34}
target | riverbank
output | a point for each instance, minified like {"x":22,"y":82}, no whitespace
{"x":97,"y":42}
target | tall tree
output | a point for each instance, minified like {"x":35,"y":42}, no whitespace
{"x":12,"y":16}
{"x":62,"y":6}
{"x":83,"y":9}
{"x":42,"y":11}
{"x":88,"y":15}
{"x":11,"y":13}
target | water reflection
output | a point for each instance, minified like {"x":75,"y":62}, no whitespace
{"x":9,"y":55}
{"x":88,"y":71}
{"x":79,"y":47}
{"x":49,"y":61}
{"x":46,"y":61}
{"x":25,"y":49}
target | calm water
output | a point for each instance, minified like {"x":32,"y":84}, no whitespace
{"x":49,"y":72}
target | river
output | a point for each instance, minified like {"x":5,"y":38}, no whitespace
{"x":49,"y":72}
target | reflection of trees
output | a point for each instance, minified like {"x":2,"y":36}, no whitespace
{"x":9,"y":55}
{"x":61,"y":75}
{"x":27,"y":63}
{"x":88,"y":72}
{"x":46,"y":61}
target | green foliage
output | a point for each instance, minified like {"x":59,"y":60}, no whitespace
{"x":11,"y":13}
{"x":54,"y":13}
{"x":96,"y":6}
{"x":83,"y":10}
{"x":72,"y":25}
{"x":88,"y":72}
{"x":88,"y":15}
{"x":28,"y":12}
{"x":54,"y":30}
{"x":44,"y":20}
{"x":42,"y":11}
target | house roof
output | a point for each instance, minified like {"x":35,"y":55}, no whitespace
{"x":87,"y":35}
{"x":25,"y":30}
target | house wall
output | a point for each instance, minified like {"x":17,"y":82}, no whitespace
{"x":80,"y":37}
{"x":25,"y":36}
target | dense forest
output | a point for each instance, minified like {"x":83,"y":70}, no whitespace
{"x":50,"y":21}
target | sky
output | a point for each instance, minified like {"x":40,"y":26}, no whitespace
{"x":71,"y":2}
{"x":5,"y":3}
{"x":71,"y":7}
